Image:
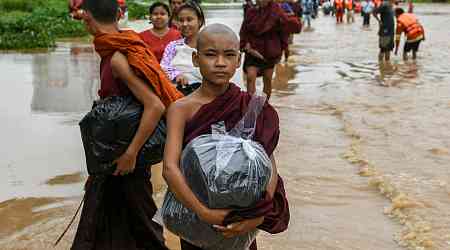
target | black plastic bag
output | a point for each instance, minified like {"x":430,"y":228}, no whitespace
{"x":108,"y":129}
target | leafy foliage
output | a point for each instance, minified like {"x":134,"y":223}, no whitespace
{"x":25,"y":27}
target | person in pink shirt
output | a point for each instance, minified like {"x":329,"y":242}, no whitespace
{"x":160,"y":34}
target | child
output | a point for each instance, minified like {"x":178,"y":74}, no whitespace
{"x":264,"y":35}
{"x":218,"y":100}
{"x":160,"y":35}
{"x":118,"y":209}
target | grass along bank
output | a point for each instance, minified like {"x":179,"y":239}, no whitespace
{"x":26,"y":24}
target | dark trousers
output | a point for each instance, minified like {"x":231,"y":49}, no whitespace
{"x":366,"y":19}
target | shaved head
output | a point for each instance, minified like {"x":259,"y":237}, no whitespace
{"x":216,"y":29}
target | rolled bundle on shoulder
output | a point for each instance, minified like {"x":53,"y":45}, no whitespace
{"x":108,"y":129}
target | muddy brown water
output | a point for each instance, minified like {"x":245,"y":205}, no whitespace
{"x":364,"y":148}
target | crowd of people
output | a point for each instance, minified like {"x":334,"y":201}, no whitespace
{"x":392,"y":19}
{"x":180,"y":71}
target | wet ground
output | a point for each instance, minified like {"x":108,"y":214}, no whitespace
{"x":364,"y":148}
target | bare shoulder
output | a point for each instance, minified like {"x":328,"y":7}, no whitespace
{"x":185,"y":107}
{"x":119,"y":64}
{"x":118,"y":59}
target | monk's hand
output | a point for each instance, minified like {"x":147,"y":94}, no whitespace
{"x":181,"y":80}
{"x":125,"y":163}
{"x":256,"y":54}
{"x":239,"y":228}
{"x":214,"y":216}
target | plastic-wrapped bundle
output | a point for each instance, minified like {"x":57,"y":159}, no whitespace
{"x":108,"y":129}
{"x":224,"y":170}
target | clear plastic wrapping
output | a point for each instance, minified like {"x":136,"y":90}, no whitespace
{"x":224,"y":170}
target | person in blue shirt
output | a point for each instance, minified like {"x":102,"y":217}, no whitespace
{"x":308,"y":11}
{"x":367,"y":8}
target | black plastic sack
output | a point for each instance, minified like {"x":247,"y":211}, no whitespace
{"x":108,"y":129}
{"x":224,"y":170}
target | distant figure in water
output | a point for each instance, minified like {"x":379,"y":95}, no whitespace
{"x":410,"y":6}
{"x":264,"y":35}
{"x":339,"y":8}
{"x":385,"y":17}
{"x":367,"y":7}
{"x":289,"y":11}
{"x":308,"y":11}
{"x":409,"y":24}
{"x":350,"y":8}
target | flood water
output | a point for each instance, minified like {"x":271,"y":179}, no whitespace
{"x":364,"y":148}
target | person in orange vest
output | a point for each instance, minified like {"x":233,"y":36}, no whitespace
{"x":350,"y":6}
{"x":377,"y":3}
{"x":339,"y":8}
{"x":409,"y":24}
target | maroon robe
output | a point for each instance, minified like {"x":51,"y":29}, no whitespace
{"x":267,"y":30}
{"x":230,"y":108}
{"x":118,"y":210}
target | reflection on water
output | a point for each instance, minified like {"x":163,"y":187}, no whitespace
{"x":64,"y":82}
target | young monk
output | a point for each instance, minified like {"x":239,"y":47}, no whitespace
{"x":118,"y":209}
{"x":160,"y":35}
{"x":216,"y":100}
{"x":264,"y":35}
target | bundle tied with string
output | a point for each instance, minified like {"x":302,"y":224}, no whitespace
{"x":224,"y":170}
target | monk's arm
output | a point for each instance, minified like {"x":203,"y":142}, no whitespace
{"x":271,"y":188}
{"x":153,"y":107}
{"x":176,"y":120}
